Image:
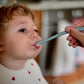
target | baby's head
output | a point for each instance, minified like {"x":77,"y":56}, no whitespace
{"x":18,"y":32}
{"x":8,"y":12}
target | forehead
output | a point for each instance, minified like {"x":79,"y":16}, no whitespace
{"x":22,"y":20}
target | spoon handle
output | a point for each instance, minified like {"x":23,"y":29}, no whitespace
{"x":57,"y":35}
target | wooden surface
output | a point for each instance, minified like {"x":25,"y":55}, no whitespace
{"x":76,"y":77}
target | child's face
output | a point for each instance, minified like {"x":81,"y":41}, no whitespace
{"x":20,"y":38}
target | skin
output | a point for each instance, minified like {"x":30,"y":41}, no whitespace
{"x":75,"y":38}
{"x":18,"y":42}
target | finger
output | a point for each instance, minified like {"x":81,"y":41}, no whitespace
{"x":73,"y":42}
{"x":75,"y":45}
{"x":67,"y":29}
{"x":69,"y":38}
{"x":82,"y":31}
{"x":70,"y":44}
{"x":75,"y":33}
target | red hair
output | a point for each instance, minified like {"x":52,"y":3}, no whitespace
{"x":7,"y":13}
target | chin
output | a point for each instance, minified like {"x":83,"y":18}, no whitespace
{"x":35,"y":55}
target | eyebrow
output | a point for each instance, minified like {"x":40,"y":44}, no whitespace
{"x":18,"y":23}
{"x":22,"y":23}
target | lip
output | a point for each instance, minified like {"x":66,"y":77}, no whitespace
{"x":37,"y":47}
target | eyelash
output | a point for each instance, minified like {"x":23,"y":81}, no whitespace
{"x":22,"y":30}
{"x":36,"y":30}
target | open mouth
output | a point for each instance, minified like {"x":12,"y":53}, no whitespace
{"x":36,"y":46}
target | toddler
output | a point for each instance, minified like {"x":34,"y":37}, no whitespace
{"x":18,"y":38}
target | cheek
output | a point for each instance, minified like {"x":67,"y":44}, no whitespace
{"x":21,"y":44}
{"x":18,"y":44}
{"x":17,"y":48}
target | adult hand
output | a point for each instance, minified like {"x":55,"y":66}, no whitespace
{"x":75,"y":38}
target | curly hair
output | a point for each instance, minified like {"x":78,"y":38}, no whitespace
{"x":8,"y":12}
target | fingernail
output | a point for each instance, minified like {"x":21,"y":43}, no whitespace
{"x":71,"y":44}
{"x":68,"y":29}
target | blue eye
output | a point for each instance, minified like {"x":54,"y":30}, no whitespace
{"x":22,"y":30}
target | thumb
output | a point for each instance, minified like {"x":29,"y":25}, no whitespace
{"x":75,"y":33}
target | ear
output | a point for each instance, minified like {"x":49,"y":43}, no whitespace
{"x":1,"y":42}
{"x":1,"y":47}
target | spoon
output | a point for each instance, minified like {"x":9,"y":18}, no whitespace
{"x":57,"y":35}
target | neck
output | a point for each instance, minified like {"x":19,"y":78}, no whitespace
{"x":12,"y":64}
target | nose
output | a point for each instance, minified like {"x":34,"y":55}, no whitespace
{"x":34,"y":35}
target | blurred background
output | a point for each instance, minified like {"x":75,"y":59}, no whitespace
{"x":57,"y":59}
